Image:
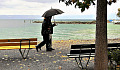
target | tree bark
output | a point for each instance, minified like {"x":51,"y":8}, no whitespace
{"x":101,"y":56}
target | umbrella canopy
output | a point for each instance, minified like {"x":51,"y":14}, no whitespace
{"x":52,"y":12}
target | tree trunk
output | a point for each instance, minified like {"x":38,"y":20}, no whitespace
{"x":101,"y":56}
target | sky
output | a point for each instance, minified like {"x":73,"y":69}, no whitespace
{"x":33,"y":9}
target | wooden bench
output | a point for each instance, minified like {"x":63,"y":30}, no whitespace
{"x":8,"y":44}
{"x":87,"y":51}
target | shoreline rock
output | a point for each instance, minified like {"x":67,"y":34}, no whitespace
{"x":69,"y":22}
{"x":117,"y":23}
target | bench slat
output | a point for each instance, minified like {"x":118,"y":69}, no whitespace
{"x":17,"y":44}
{"x":81,"y":56}
{"x":17,"y":40}
{"x":17,"y":47}
{"x":84,"y":54}
{"x":82,"y":51}
{"x":83,"y":46}
{"x":93,"y":45}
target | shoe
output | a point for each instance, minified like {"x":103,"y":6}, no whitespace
{"x":50,"y":49}
{"x":37,"y":48}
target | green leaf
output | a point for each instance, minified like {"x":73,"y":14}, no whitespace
{"x":83,"y":9}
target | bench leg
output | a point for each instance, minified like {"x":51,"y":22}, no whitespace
{"x":87,"y":62}
{"x":78,"y":60}
{"x":23,"y":53}
{"x":79,"y":63}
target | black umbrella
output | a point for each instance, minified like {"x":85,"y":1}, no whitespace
{"x":52,"y":12}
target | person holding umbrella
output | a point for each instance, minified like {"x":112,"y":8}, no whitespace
{"x":47,"y":29}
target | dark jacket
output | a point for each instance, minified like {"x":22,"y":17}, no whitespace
{"x":51,"y":27}
{"x":47,"y":27}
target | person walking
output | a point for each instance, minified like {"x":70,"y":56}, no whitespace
{"x":47,"y":30}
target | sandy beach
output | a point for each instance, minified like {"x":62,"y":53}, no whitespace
{"x":42,"y":60}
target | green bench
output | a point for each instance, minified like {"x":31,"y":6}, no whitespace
{"x":87,"y":51}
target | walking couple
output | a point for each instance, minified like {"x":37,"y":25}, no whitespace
{"x":47,"y":31}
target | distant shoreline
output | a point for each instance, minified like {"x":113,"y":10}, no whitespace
{"x":69,"y":22}
{"x":117,"y":23}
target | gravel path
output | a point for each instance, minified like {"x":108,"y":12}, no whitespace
{"x":42,"y":60}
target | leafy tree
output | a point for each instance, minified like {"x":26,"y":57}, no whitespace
{"x":101,"y":56}
{"x":83,"y":4}
{"x":118,"y":14}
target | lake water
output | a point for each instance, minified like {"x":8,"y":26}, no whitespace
{"x":10,"y":28}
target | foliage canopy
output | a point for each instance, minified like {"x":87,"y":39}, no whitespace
{"x":118,"y":14}
{"x":83,"y":4}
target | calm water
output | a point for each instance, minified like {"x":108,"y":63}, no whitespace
{"x":27,"y":29}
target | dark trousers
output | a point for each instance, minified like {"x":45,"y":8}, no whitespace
{"x":50,"y":40}
{"x":46,"y":40}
